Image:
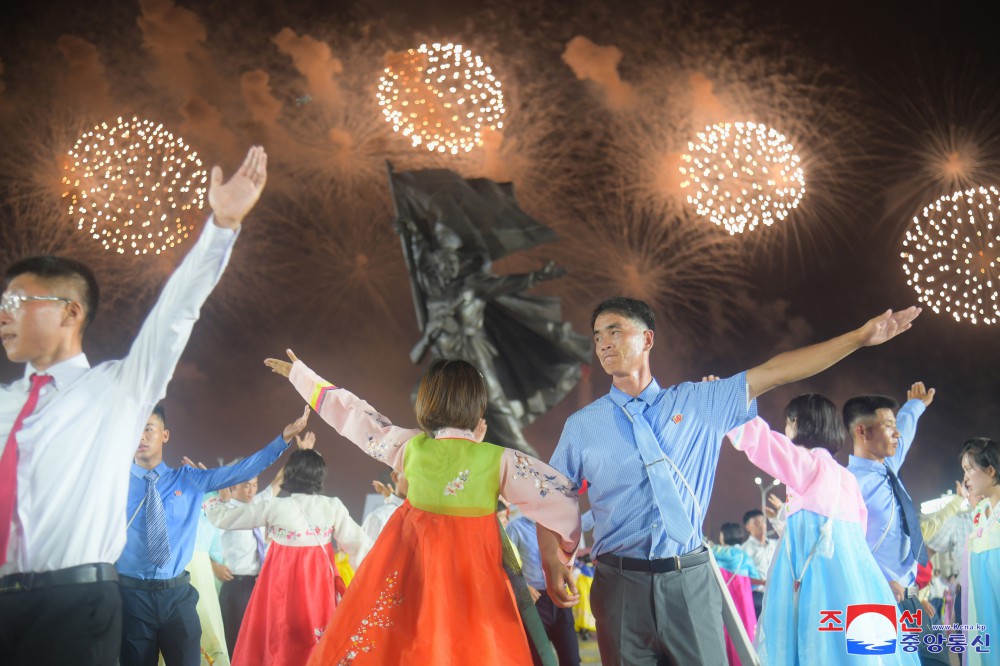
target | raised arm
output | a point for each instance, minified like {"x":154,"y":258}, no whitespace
{"x":143,"y":375}
{"x":775,"y":454}
{"x":236,"y":517}
{"x":807,"y":361}
{"x":253,"y":465}
{"x":542,"y":494}
{"x":918,"y":399}
{"x":349,"y":415}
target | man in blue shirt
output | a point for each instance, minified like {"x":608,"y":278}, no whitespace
{"x":881,"y":442}
{"x":159,"y":611}
{"x":649,"y":455}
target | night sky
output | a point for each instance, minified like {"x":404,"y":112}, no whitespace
{"x":862,"y":88}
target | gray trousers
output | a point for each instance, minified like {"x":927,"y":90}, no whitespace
{"x":647,"y":619}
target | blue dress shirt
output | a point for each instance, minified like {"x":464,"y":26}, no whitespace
{"x":893,"y":553}
{"x":182,"y":490}
{"x":523,"y":536}
{"x":598,"y":444}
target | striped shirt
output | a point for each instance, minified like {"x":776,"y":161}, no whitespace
{"x":597,"y":444}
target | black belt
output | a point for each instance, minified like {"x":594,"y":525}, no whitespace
{"x":243,"y":577}
{"x":154,"y":583}
{"x":676,"y":563}
{"x":84,"y":573}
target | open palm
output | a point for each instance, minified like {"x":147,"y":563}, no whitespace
{"x":233,"y":199}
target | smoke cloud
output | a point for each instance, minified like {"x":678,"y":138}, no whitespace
{"x":313,"y":60}
{"x":600,"y":65}
{"x":84,"y":81}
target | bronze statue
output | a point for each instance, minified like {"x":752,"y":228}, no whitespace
{"x":452,"y":230}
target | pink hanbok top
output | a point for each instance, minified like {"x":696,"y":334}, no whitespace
{"x":816,"y":481}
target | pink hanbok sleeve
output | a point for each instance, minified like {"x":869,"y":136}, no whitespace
{"x":775,"y":454}
{"x":542,"y":494}
{"x":352,"y":417}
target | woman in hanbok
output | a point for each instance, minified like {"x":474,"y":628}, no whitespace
{"x":298,"y":586}
{"x":822,"y":562}
{"x":433,"y":589}
{"x":740,"y":574}
{"x":981,"y":463}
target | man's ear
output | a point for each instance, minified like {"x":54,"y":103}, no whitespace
{"x":648,"y":339}
{"x":74,"y":315}
{"x":166,"y":435}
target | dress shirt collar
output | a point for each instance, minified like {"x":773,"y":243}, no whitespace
{"x":394,"y":500}
{"x":648,"y":395}
{"x":139,"y":472}
{"x":866,"y":465}
{"x":64,"y":372}
{"x":454,"y":433}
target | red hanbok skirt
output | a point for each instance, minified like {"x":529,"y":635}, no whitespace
{"x":432,"y":591}
{"x":292,"y":602}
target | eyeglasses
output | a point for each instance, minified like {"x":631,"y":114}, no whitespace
{"x":11,"y":303}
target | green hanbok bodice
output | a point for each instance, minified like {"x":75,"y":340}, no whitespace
{"x":453,"y":477}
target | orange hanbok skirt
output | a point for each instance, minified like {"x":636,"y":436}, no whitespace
{"x":431,"y":591}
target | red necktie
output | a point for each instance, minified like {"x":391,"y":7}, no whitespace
{"x":8,"y":464}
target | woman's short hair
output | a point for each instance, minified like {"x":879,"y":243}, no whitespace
{"x":452,"y":394}
{"x":305,"y":472}
{"x":817,"y":422}
{"x":984,"y":453}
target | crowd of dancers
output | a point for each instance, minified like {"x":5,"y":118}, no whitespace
{"x":103,"y":546}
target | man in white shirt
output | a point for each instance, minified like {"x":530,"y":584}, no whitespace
{"x":760,"y":548}
{"x":375,"y":521}
{"x":243,"y":555}
{"x":69,"y":431}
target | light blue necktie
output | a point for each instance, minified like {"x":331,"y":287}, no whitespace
{"x":157,"y":544}
{"x":668,"y":500}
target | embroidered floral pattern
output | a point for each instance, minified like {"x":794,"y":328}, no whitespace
{"x":361,"y":640}
{"x":277,"y":532}
{"x":456,"y":484}
{"x":545,"y":483}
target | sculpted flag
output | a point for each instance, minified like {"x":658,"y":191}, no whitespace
{"x":452,"y":229}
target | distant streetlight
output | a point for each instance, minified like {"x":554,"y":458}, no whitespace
{"x":764,"y":490}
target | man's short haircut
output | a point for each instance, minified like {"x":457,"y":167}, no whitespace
{"x":865,"y":407}
{"x":817,"y":423}
{"x":733,"y":534}
{"x":304,"y":473}
{"x":161,"y":413}
{"x":985,"y":453}
{"x":750,"y":515}
{"x":630,"y":308}
{"x":452,"y":394}
{"x":49,"y":267}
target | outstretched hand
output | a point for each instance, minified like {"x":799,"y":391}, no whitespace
{"x":190,"y":463}
{"x":919,"y":392}
{"x":306,"y":441}
{"x":886,"y":326}
{"x":280,"y":367}
{"x":296,"y":426}
{"x":233,"y":199}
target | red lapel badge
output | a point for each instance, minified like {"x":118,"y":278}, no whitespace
{"x":177,"y":493}
{"x":677,"y":418}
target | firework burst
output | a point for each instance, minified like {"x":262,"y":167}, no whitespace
{"x":741,"y":175}
{"x":134,"y":187}
{"x":441,"y":97}
{"x":951,"y":255}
